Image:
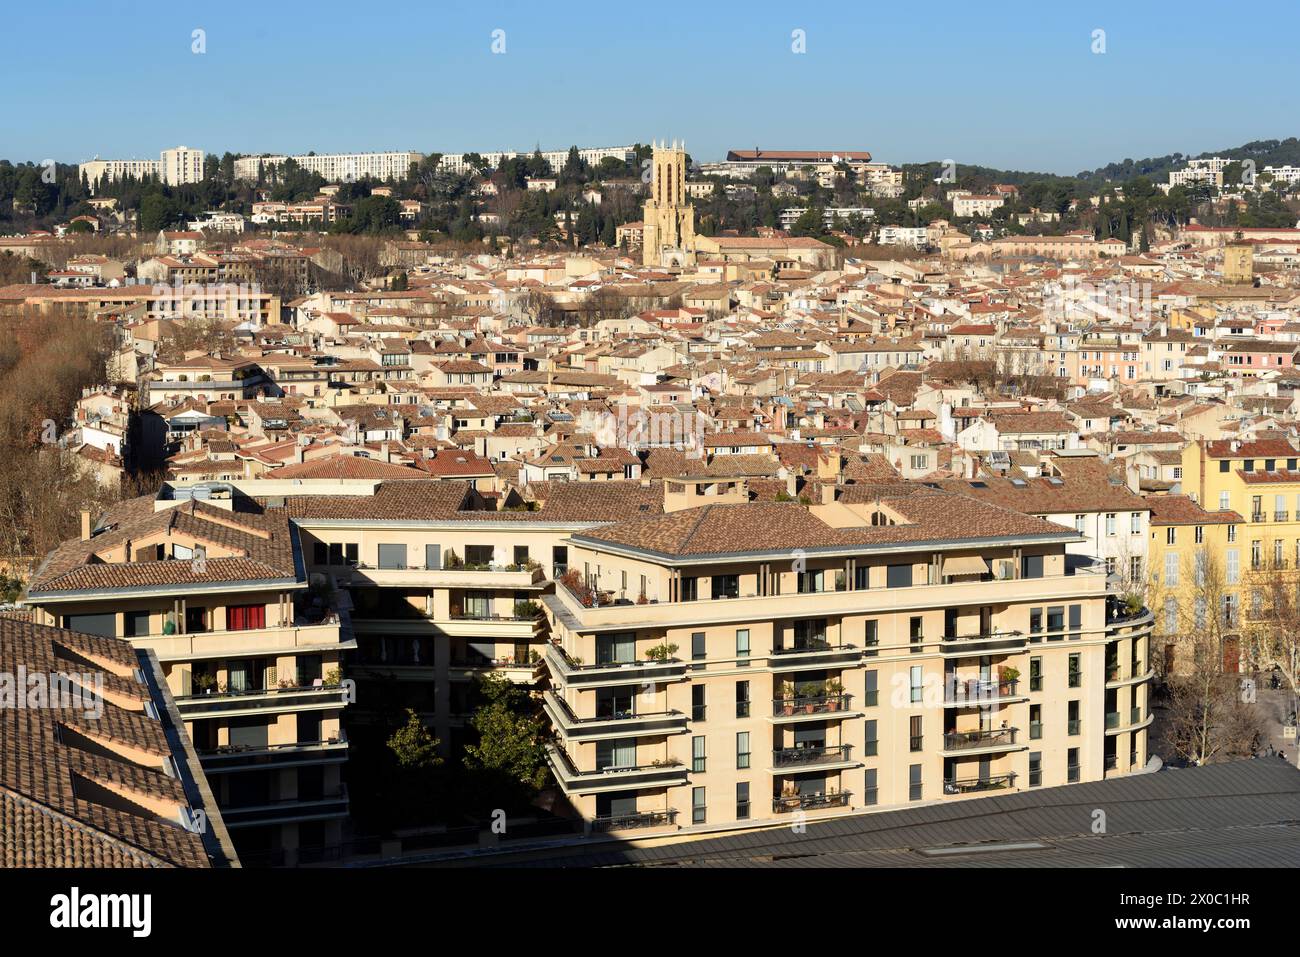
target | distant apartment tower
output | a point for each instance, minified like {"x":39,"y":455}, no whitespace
{"x":458,"y":164}
{"x":335,"y":166}
{"x":182,"y":165}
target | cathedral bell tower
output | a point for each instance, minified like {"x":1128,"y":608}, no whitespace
{"x":669,"y":220}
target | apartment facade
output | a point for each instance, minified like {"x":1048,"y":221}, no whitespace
{"x":744,"y":663}
{"x":335,"y":166}
{"x":215,"y":587}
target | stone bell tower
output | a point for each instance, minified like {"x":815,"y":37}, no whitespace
{"x":669,"y":220}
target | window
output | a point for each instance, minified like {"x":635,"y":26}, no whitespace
{"x":898,"y":576}
{"x":1035,"y":624}
{"x":1035,"y":721}
{"x":698,"y":757}
{"x":690,"y":588}
{"x":1075,"y":675}
{"x":742,"y":699}
{"x":872,"y":697}
{"x":1135,"y":568}
{"x":1031,"y":566}
{"x":742,"y":749}
{"x":861,"y":577}
{"x":699,"y":705}
{"x":872,"y":743}
{"x":1079,"y":523}
{"x":1225,"y":501}
{"x":914,"y":783}
{"x":742,"y":800}
{"x":1171,"y":537}
{"x":916,"y":677}
{"x":697,"y":806}
{"x":1171,"y":569}
{"x":392,"y":556}
{"x":1035,"y":769}
{"x":914,"y":733}
{"x":1171,"y":615}
{"x":726,"y":586}
{"x":872,"y":790}
{"x":1035,"y":674}
{"x":1072,"y":718}
{"x":697,"y":646}
{"x":1110,"y":523}
{"x":914,"y":633}
{"x":1055,"y":622}
{"x":872,"y":639}
{"x":521,"y":555}
{"x":1232,"y":533}
{"x":1072,"y":765}
{"x":1225,"y":466}
{"x":1135,"y":523}
{"x":245,"y":617}
{"x":319,"y":553}
{"x":742,"y":642}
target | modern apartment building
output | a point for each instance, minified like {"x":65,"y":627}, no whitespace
{"x":443,"y":587}
{"x":174,"y":167}
{"x":729,"y":663}
{"x":181,"y":165}
{"x":456,"y":162}
{"x":215,"y":586}
{"x":336,"y":166}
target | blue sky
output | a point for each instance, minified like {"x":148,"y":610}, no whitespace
{"x":1012,"y":85}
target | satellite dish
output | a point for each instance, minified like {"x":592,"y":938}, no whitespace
{"x":835,"y":158}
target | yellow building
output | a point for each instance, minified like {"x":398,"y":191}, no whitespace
{"x":1239,"y":263}
{"x":1181,"y":531}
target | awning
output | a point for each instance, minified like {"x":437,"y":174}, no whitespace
{"x":965,"y":565}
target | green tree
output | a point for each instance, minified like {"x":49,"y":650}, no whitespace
{"x":511,"y":750}
{"x":414,"y":746}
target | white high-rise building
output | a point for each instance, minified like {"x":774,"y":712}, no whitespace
{"x":336,"y":166}
{"x":182,"y":165}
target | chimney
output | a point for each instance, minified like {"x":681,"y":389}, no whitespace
{"x":85,"y":525}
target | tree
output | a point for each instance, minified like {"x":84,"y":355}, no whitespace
{"x":509,"y":759}
{"x":1208,"y":718}
{"x":414,"y":746}
{"x":1272,"y":631}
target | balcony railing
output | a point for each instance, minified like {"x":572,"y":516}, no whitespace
{"x":804,"y":757}
{"x":1281,"y":516}
{"x":810,"y":704}
{"x":996,"y":782}
{"x":818,"y":654}
{"x":978,"y":691}
{"x":627,"y":822}
{"x":262,"y":699}
{"x":986,"y":643}
{"x":810,"y":802}
{"x":610,"y":673}
{"x":1112,"y":719}
{"x":1257,"y":516}
{"x":964,"y":740}
{"x":613,"y":723}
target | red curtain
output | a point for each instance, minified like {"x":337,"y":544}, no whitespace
{"x":244,"y":617}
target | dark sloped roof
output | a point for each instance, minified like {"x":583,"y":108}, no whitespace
{"x":1241,"y":814}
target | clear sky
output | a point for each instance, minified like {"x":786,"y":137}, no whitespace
{"x":1013,"y":85}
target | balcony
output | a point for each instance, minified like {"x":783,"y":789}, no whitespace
{"x":793,"y":760}
{"x":639,"y":820}
{"x":619,"y":725}
{"x":1077,"y":583}
{"x":979,"y":692}
{"x":1002,"y":739}
{"x":575,"y":674}
{"x":811,"y":705}
{"x":814,"y":655}
{"x":467,"y":576}
{"x":666,"y":774}
{"x":231,"y":704}
{"x":237,"y":757}
{"x":1281,"y":516}
{"x":305,"y":636}
{"x":995,"y":782}
{"x":289,"y":810}
{"x":992,"y":643}
{"x":1257,"y":516}
{"x":810,"y":802}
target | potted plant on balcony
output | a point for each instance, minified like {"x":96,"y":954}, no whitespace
{"x":333,"y":678}
{"x":451,"y":559}
{"x":661,"y":652}
{"x":832,"y":690}
{"x":204,"y":682}
{"x":1008,"y":673}
{"x":787,"y":698}
{"x":807,"y":692}
{"x":527,"y":609}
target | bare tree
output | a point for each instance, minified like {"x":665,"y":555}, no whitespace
{"x":1271,"y":636}
{"x":1208,"y":717}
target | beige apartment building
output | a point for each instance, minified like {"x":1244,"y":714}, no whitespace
{"x":214,"y":585}
{"x":732,"y":663}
